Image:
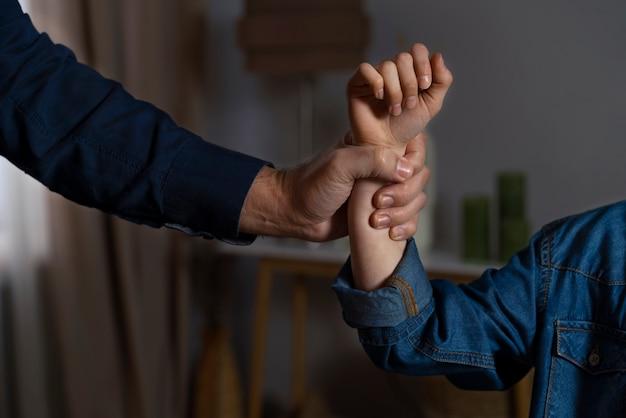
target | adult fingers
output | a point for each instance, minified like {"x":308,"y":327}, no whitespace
{"x":401,"y":194}
{"x":398,"y":194}
{"x":405,"y":231}
{"x":393,"y":217}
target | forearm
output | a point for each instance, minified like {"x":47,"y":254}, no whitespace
{"x":267,"y":207}
{"x":374,"y":255}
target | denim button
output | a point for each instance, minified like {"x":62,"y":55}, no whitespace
{"x":594,"y":359}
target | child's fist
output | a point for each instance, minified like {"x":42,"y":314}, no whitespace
{"x":392,"y":103}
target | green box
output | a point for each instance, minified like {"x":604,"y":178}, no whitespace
{"x":476,"y":232}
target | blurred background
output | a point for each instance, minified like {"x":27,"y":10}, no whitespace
{"x":100,"y":318}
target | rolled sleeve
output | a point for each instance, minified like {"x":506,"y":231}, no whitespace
{"x":405,"y":294}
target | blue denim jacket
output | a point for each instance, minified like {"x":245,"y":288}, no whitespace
{"x":558,"y":306}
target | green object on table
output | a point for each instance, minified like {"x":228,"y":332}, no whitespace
{"x":476,"y":228}
{"x":511,"y":195}
{"x":514,"y":235}
{"x":513,"y":228}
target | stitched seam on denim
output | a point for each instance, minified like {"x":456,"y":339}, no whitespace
{"x":468,"y":358}
{"x":590,"y":276}
{"x":586,"y":369}
{"x":406,"y":332}
{"x":550,"y":386}
{"x":471,"y":354}
{"x":407,"y":294}
{"x":597,"y":329}
{"x":560,"y":353}
{"x":393,"y":282}
{"x":546,"y":272}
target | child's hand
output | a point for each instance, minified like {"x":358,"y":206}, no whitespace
{"x":392,"y":103}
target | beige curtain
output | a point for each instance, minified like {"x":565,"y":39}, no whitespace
{"x":117,"y":293}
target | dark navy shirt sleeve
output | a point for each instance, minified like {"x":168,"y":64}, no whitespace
{"x":480,"y":335}
{"x":86,"y":138}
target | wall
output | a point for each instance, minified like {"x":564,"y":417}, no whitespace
{"x":539,"y":87}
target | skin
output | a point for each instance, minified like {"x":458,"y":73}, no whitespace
{"x":310,"y":201}
{"x":390,"y":106}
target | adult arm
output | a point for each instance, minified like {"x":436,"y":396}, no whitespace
{"x":86,"y":138}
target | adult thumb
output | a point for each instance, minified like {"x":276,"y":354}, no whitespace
{"x":382,"y":163}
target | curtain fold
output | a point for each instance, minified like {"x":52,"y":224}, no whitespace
{"x":118,"y":293}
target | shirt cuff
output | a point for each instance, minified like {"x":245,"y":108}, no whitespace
{"x":405,"y":294}
{"x":9,"y":10}
{"x":206,"y":189}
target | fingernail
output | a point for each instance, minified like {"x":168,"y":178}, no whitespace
{"x":427,"y":80}
{"x":411,"y":102}
{"x":396,"y":110}
{"x":386,"y":202}
{"x":404,"y":169}
{"x":383,"y":221}
{"x":397,"y":233}
{"x":380,"y":94}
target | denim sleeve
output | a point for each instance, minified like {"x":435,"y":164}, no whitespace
{"x":480,"y":335}
{"x":85,"y":137}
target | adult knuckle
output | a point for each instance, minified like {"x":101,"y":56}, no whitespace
{"x":380,"y":158}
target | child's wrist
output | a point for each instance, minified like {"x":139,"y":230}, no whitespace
{"x":398,"y":148}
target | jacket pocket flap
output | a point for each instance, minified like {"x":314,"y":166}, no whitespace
{"x":593,"y":347}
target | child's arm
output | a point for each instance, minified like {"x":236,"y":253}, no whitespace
{"x":389,"y":105}
{"x":372,"y":244}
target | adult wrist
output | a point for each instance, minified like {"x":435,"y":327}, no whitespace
{"x":266,"y":209}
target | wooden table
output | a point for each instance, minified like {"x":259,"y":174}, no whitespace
{"x":303,"y":261}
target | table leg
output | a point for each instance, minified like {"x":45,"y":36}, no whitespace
{"x":298,"y":344}
{"x":259,"y":336}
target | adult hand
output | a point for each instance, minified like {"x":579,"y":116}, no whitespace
{"x":309,"y":202}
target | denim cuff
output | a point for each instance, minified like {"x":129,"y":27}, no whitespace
{"x":405,"y":294}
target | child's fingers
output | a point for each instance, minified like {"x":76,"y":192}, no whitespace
{"x":442,"y":80}
{"x":421,"y":59}
{"x":408,"y":79}
{"x":393,"y":90}
{"x":365,"y":81}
